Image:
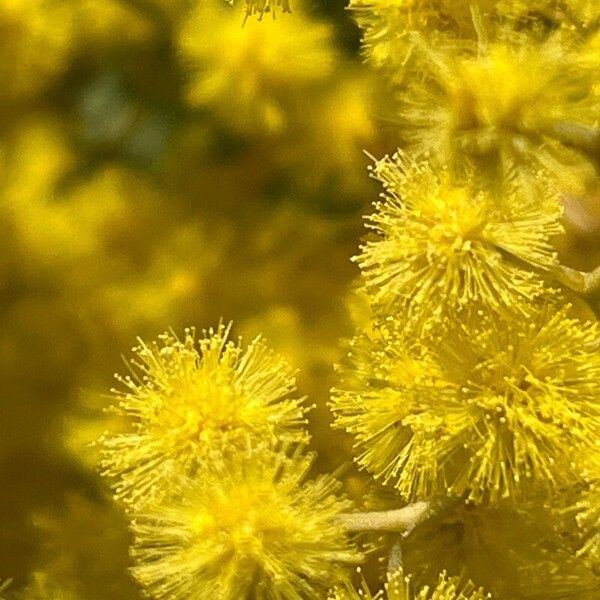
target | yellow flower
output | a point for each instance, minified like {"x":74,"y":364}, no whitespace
{"x":252,"y":528}
{"x":588,"y":520}
{"x":399,"y":588}
{"x":190,"y":402}
{"x":513,"y":102}
{"x":252,"y":76}
{"x":444,"y":246}
{"x":498,"y":409}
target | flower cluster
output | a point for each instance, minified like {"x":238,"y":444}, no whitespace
{"x":474,"y":383}
{"x":253,"y":528}
{"x":472,"y":389}
{"x":212,"y":469}
{"x":495,"y":408}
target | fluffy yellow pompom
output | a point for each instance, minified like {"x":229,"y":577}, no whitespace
{"x":253,"y":528}
{"x":496,"y":410}
{"x":515,"y":101}
{"x":442,"y":246}
{"x":251,"y":76}
{"x":188,"y":403}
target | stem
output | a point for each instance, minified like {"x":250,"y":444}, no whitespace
{"x":402,"y":520}
{"x":396,"y":590}
{"x":579,"y":136}
{"x":395,"y":561}
{"x":579,"y":281}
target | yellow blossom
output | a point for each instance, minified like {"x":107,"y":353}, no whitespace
{"x":513,"y":102}
{"x":443,"y":246}
{"x":252,"y":528}
{"x":497,"y":409}
{"x":251,"y":76}
{"x":189,"y":402}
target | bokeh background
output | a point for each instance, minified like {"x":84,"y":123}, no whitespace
{"x":162,"y":165}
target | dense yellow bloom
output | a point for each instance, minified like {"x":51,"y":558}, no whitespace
{"x":251,"y":76}
{"x":253,"y":528}
{"x":497,"y":409}
{"x":443,"y":246}
{"x":399,"y":588}
{"x":513,"y":101}
{"x":188,"y":402}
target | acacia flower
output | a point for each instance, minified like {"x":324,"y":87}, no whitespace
{"x":516,"y":101}
{"x":399,"y":588}
{"x":442,"y":246}
{"x":251,"y":76}
{"x":190,"y":402}
{"x":251,"y":528}
{"x":497,"y":409}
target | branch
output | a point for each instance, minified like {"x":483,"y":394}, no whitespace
{"x":402,"y":520}
{"x":396,"y":590}
{"x":579,"y":136}
{"x":579,"y":281}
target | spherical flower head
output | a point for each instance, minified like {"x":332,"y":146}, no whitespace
{"x":398,"y":587}
{"x":251,"y":76}
{"x":35,"y":41}
{"x":191,"y":402}
{"x":441,"y":246}
{"x":252,"y":528}
{"x":498,"y":410}
{"x":508,"y":102}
